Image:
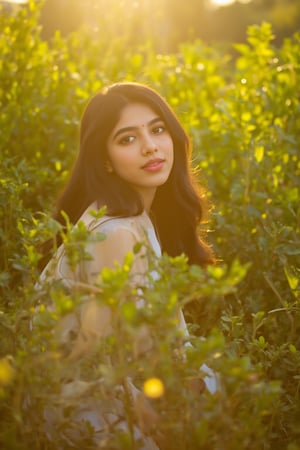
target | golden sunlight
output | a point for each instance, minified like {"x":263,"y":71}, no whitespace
{"x":221,"y":2}
{"x":19,"y":2}
{"x":217,"y":3}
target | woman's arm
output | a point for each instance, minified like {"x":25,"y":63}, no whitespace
{"x":96,"y":320}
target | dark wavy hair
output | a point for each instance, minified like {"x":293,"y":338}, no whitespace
{"x":178,"y":206}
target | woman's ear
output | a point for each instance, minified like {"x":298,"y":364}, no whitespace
{"x":108,"y":166}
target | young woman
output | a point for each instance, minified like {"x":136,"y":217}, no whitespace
{"x":133,"y":159}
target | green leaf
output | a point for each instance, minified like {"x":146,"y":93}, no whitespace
{"x":259,"y":153}
{"x":292,"y":276}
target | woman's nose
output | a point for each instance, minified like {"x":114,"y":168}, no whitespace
{"x":148,"y":146}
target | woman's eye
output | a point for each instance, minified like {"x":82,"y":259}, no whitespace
{"x":158,"y":129}
{"x":126,"y":140}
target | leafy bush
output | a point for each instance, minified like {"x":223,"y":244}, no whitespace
{"x":243,"y":117}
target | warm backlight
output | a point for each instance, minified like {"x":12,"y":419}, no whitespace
{"x":221,"y":2}
{"x":218,"y":3}
{"x":17,"y":1}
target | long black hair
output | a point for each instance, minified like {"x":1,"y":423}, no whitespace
{"x":178,"y":206}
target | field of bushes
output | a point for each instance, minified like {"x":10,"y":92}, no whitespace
{"x":243,"y":115}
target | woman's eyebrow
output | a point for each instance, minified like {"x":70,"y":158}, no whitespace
{"x":134,"y":128}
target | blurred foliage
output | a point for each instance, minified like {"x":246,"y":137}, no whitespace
{"x":244,"y":318}
{"x":167,"y":23}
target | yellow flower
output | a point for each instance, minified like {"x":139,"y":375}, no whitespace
{"x":6,"y":371}
{"x":153,"y":388}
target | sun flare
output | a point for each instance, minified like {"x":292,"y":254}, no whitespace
{"x":222,"y":2}
{"x":18,"y":2}
{"x":219,"y":3}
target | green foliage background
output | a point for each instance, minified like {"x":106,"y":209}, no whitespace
{"x":244,"y":120}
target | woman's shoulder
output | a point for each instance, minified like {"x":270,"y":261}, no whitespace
{"x":109,"y":224}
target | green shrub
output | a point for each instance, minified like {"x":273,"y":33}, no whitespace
{"x":243,"y":117}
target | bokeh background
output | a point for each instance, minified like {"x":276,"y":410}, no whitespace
{"x":169,"y":22}
{"x":232,"y":74}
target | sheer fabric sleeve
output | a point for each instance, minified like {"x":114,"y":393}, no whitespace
{"x":95,"y":320}
{"x":111,"y":251}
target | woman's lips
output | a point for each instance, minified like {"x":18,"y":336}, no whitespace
{"x":153,"y":165}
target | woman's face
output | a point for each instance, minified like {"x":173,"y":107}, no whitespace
{"x":140,"y":150}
